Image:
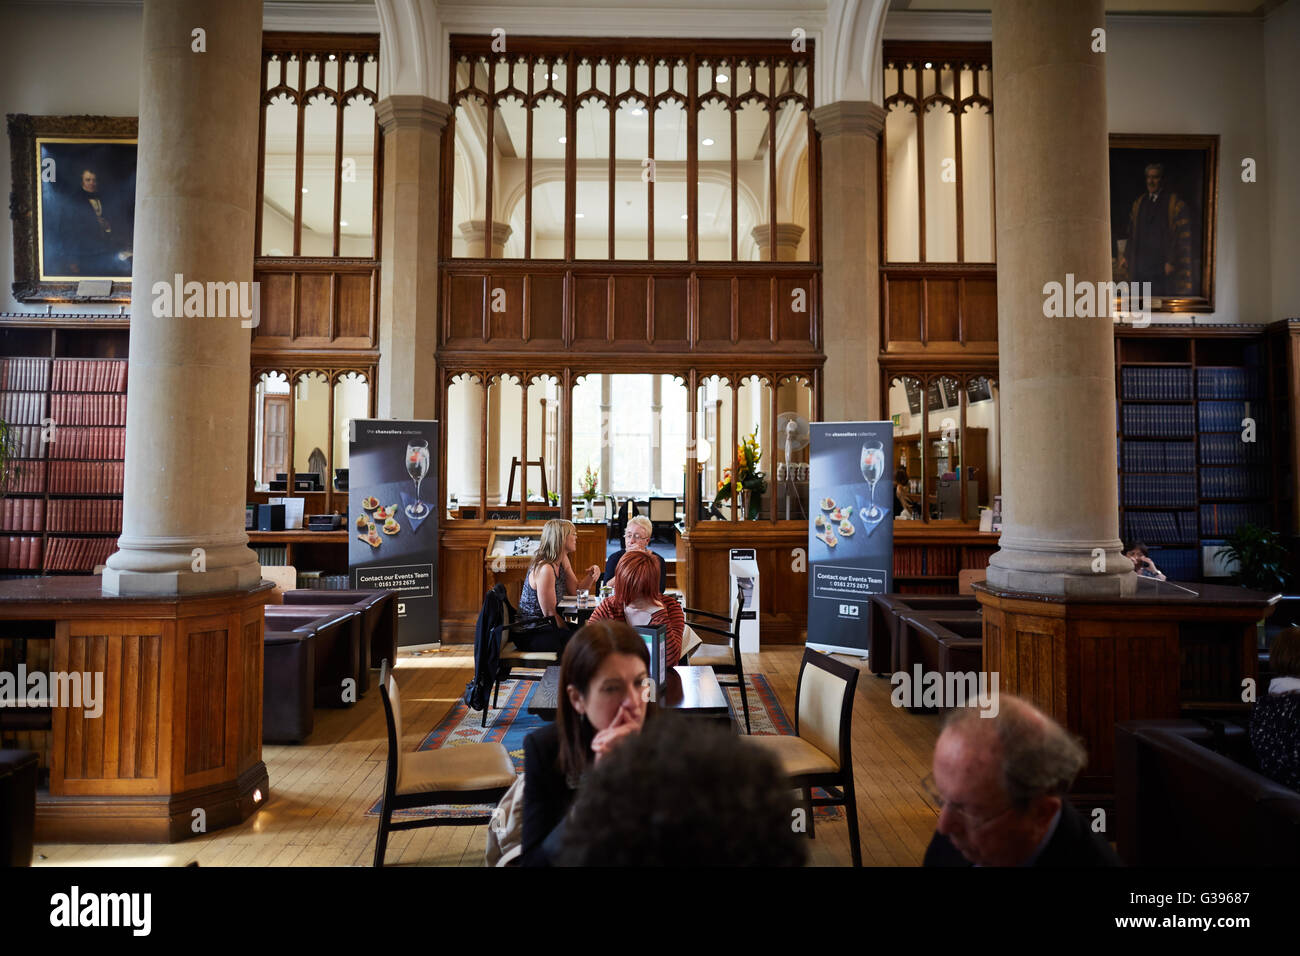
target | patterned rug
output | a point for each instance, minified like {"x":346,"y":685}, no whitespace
{"x":510,"y":723}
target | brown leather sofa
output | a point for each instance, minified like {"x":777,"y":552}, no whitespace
{"x":18,"y":769}
{"x":288,"y":684}
{"x":883,"y":636}
{"x":378,"y":615}
{"x":1187,"y":794}
{"x":337,"y":646}
{"x":942,"y":646}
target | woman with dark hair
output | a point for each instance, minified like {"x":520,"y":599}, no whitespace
{"x":1136,"y":552}
{"x":604,"y":677}
{"x":1275,"y":720}
{"x":903,"y":503}
{"x":638,"y":601}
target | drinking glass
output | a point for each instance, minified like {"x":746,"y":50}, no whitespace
{"x":582,"y":598}
{"x":417,"y":466}
{"x":873,"y":466}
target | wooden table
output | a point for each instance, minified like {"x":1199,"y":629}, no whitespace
{"x":568,"y":607}
{"x":689,"y":690}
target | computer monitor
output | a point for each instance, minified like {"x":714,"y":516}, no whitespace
{"x":656,"y":644}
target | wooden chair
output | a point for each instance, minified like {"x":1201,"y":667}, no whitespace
{"x":723,"y":658}
{"x":509,"y":656}
{"x":468,"y":773}
{"x":663,"y":516}
{"x":821,"y":752}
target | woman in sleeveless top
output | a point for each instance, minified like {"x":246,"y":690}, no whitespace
{"x":550,"y":577}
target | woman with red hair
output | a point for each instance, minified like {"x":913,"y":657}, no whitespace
{"x":638,"y":601}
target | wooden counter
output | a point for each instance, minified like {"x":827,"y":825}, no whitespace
{"x":181,"y":722}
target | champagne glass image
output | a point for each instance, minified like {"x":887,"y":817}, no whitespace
{"x":417,"y":466}
{"x":873,"y":466}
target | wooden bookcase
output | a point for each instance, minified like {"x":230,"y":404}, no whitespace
{"x":64,"y":378}
{"x":1192,"y":466}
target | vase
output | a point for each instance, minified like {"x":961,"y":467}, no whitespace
{"x":587,"y":511}
{"x":744,"y":504}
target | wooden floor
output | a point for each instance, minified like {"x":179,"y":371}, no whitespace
{"x":320,"y":790}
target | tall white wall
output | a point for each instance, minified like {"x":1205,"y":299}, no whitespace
{"x":1282,"y":175}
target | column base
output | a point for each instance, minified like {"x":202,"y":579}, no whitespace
{"x":1083,"y":569}
{"x":146,"y":568}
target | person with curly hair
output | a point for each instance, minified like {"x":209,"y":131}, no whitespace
{"x":682,"y":793}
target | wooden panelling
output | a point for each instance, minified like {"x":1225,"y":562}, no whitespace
{"x":630,"y":308}
{"x":941,"y":310}
{"x":903,"y":320}
{"x":356,"y":308}
{"x":205,"y":704}
{"x":791,"y":325}
{"x":591,"y":308}
{"x":980,"y":309}
{"x":546,"y":308}
{"x":506,"y":293}
{"x":275,"y":299}
{"x":754,"y":307}
{"x":714,"y":308}
{"x":250,"y":721}
{"x":465,"y":307}
{"x":672,"y":302}
{"x":314,"y":307}
{"x":784,"y":590}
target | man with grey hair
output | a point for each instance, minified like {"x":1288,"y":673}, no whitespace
{"x":636,"y":538}
{"x":1001,"y":786}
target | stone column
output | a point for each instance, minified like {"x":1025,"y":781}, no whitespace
{"x":474,"y":233}
{"x":606,"y":436}
{"x":1057,"y":375}
{"x":187,"y":427}
{"x":850,"y":260}
{"x":408,"y":287}
{"x":788,"y":235}
{"x":657,"y":431}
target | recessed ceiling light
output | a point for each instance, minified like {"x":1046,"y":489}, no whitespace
{"x":581,"y":215}
{"x":343,"y":222}
{"x":683,"y":215}
{"x":562,"y":140}
{"x":708,"y":141}
{"x":722,"y":78}
{"x":929,"y":66}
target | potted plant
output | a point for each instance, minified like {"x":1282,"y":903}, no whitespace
{"x":750,"y":482}
{"x":587,"y":489}
{"x":1261,"y":559}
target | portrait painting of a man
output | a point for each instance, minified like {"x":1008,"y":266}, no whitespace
{"x":87,"y":209}
{"x":1162,"y":215}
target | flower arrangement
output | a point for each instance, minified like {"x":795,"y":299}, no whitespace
{"x":587,"y":487}
{"x":749,"y":478}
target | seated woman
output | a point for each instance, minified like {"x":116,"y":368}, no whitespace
{"x":638,"y":601}
{"x":903,"y":503}
{"x":1275,"y":720}
{"x":636,"y":538}
{"x":550,"y":577}
{"x":602,"y":700}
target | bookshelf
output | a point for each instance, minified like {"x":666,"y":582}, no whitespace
{"x":63,"y":387}
{"x":1189,"y":475}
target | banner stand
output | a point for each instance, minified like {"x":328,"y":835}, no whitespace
{"x":850,"y":531}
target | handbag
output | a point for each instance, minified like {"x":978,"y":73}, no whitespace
{"x":505,"y":832}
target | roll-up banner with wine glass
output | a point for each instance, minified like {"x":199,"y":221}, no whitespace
{"x":393,"y":519}
{"x":850,"y":530}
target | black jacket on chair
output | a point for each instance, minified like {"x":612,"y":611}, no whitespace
{"x":1072,"y":845}
{"x":487,"y":652}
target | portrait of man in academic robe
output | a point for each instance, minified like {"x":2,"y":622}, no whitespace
{"x":87,"y":210}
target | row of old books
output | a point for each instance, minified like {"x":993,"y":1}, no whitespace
{"x":1229,"y":449}
{"x":90,"y":375}
{"x":1159,"y":456}
{"x":1156,"y":384}
{"x":88,"y":514}
{"x":78,"y":554}
{"x":21,"y":553}
{"x":25,"y":374}
{"x":918,"y":561}
{"x":1160,"y":491}
{"x":1227,"y":416}
{"x":26,"y":478}
{"x":1224,"y":520}
{"x":22,"y":514}
{"x":25,"y":441}
{"x":1160,"y":527}
{"x":22,"y":408}
{"x":1229,"y":383}
{"x":1234,"y":483}
{"x":86,"y":478}
{"x":71,"y":409}
{"x":99,"y":442}
{"x":1159,"y":421}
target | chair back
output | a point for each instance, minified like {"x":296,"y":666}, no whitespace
{"x":284,"y":577}
{"x":392,"y":699}
{"x":736,"y":613}
{"x":635,"y":508}
{"x":824,"y":705}
{"x":663,"y":510}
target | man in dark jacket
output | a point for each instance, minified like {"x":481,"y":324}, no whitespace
{"x":1001,"y":783}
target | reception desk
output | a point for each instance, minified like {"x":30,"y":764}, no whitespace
{"x":1168,"y":651}
{"x":177,"y":743}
